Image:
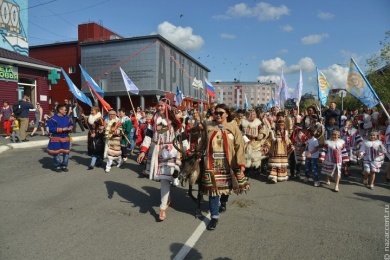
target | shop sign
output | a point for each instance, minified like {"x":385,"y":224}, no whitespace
{"x":9,"y":73}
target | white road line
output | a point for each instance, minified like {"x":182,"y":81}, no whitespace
{"x":189,"y":244}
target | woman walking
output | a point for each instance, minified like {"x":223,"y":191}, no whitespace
{"x":224,"y":163}
{"x":163,"y":159}
{"x":38,"y":120}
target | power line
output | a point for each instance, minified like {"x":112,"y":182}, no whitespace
{"x":75,"y":11}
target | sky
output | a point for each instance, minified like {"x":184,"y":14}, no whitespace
{"x":243,"y":40}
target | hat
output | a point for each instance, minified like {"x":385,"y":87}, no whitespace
{"x":279,"y":122}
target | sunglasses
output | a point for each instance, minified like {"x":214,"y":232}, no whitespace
{"x":220,"y":113}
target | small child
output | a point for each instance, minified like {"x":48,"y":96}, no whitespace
{"x":353,"y":142}
{"x":297,"y":158}
{"x":312,"y":154}
{"x":15,"y":128}
{"x":372,"y":151}
{"x":333,"y":155}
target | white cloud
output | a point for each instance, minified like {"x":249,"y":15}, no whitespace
{"x":325,"y":16}
{"x":182,"y":37}
{"x":274,"y":66}
{"x":262,"y":11}
{"x":287,"y":28}
{"x":314,"y":38}
{"x":227,"y":36}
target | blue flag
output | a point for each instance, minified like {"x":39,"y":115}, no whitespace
{"x":359,"y":86}
{"x":246,"y":106}
{"x":75,"y":91}
{"x":271,"y":103}
{"x":264,"y":108}
{"x":91,"y":82}
{"x":323,"y":87}
{"x":179,"y":96}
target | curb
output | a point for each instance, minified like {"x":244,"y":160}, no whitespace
{"x":31,"y":144}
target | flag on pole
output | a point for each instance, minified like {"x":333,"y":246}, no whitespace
{"x":197,"y":83}
{"x":209,"y":88}
{"x":201,"y":107}
{"x":323,"y":87}
{"x":246,"y":106}
{"x":298,"y":90}
{"x":105,"y":105}
{"x":179,"y":96}
{"x":130,"y":86}
{"x":75,"y":91}
{"x":265,"y":108}
{"x":359,"y":86}
{"x":271,"y":103}
{"x":92,"y":83}
{"x":281,"y":96}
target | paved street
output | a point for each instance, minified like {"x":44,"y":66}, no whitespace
{"x":96,"y":215}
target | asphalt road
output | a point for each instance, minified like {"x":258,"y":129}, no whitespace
{"x":96,"y":215}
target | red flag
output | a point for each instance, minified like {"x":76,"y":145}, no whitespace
{"x":105,"y":105}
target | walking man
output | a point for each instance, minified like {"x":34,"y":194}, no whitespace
{"x":25,"y":106}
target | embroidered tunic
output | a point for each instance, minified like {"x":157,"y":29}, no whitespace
{"x":223,"y":160}
{"x":163,"y":158}
{"x":298,"y":140}
{"x":333,"y":156}
{"x":113,"y":135}
{"x":352,"y":141}
{"x":59,"y":140}
{"x":373,"y":152}
{"x":280,"y":147}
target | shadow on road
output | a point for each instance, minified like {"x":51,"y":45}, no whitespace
{"x":192,"y":254}
{"x":373,"y":197}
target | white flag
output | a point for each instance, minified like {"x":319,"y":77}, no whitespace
{"x":130,"y":86}
{"x":298,"y":90}
{"x":197,"y":84}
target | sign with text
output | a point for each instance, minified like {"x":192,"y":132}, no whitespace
{"x":9,"y":73}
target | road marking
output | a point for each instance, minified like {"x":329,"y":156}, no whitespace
{"x":189,"y":244}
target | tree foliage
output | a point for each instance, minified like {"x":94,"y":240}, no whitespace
{"x":379,"y":70}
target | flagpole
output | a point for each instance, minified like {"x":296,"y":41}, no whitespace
{"x":131,"y":102}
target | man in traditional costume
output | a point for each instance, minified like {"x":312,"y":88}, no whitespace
{"x":113,"y":134}
{"x":60,"y":126}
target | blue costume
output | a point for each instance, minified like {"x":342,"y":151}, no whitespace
{"x":59,"y":140}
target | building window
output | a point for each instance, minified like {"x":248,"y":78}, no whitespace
{"x":230,"y":93}
{"x":72,"y":69}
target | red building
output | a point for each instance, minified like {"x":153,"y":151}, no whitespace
{"x":67,"y":55}
{"x":22,"y":75}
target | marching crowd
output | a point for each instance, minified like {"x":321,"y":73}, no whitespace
{"x":287,"y":143}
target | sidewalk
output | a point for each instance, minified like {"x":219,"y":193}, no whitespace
{"x":35,"y":141}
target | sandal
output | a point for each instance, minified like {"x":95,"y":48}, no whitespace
{"x":162,"y":215}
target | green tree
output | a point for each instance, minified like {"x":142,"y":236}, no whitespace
{"x":378,"y":72}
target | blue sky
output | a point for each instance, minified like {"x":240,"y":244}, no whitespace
{"x":245,"y":40}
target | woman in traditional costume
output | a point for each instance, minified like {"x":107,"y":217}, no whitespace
{"x":95,"y":136}
{"x":224,"y":163}
{"x":163,"y":159}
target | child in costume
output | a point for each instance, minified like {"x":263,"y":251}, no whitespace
{"x":353,"y":141}
{"x":297,"y":159}
{"x":333,"y":155}
{"x":372,"y":151}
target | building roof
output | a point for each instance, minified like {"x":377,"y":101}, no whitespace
{"x":10,"y":57}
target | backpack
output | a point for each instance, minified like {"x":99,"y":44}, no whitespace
{"x":16,"y":108}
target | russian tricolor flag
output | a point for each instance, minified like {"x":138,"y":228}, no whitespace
{"x":209,"y":88}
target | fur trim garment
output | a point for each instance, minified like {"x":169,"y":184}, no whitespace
{"x":93,"y":118}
